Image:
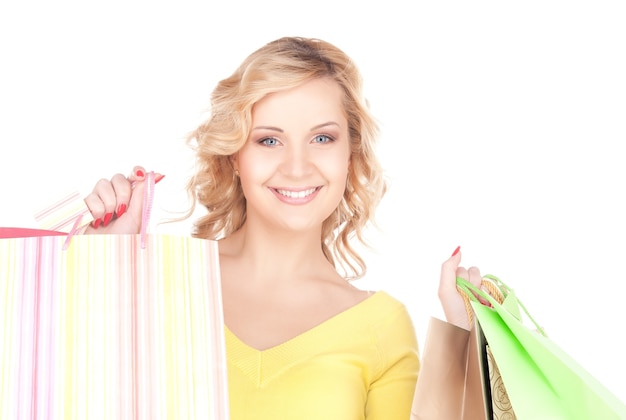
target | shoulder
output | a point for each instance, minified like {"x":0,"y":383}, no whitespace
{"x":385,"y":307}
{"x":393,"y":335}
{"x":388,"y":320}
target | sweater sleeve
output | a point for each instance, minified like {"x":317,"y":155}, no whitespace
{"x":391,"y":393}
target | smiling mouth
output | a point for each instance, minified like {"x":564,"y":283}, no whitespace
{"x":297,"y":194}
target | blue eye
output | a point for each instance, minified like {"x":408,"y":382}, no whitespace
{"x":322,"y":138}
{"x":268,"y":141}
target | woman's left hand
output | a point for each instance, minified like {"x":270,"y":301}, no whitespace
{"x":451,"y":301}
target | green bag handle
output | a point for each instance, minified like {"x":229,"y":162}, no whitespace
{"x":498,"y":293}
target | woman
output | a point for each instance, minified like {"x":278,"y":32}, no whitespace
{"x":287,"y":171}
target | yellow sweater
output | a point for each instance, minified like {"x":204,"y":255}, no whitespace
{"x":359,"y":364}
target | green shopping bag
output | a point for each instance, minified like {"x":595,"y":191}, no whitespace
{"x":542,"y":381}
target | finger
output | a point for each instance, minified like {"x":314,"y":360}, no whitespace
{"x":447,"y":282}
{"x":476,"y":279}
{"x":138,"y":174}
{"x":129,"y":199}
{"x":474,"y":276}
{"x":101,"y":202}
{"x":462,"y":272}
{"x":122,"y":187}
{"x":471,"y":274}
{"x":138,"y":178}
{"x":96,"y":208}
{"x":113,"y":194}
{"x":453,"y":304}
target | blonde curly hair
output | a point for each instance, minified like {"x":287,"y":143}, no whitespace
{"x":281,"y":65}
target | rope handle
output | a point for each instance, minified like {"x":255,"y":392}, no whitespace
{"x":492,"y":289}
{"x":497,"y":291}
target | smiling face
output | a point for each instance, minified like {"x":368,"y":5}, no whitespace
{"x":294,"y":165}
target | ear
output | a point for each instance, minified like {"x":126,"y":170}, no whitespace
{"x":234,"y":161}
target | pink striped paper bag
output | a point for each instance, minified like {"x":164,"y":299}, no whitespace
{"x":108,"y":329}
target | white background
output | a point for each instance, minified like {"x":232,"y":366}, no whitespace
{"x":503,"y":132}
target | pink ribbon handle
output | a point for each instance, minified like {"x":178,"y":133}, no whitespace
{"x":148,"y":199}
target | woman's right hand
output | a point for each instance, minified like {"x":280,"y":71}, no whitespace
{"x":116,"y":204}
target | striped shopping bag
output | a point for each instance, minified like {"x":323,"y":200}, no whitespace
{"x":110,"y":327}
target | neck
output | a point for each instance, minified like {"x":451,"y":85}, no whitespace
{"x":276,"y":256}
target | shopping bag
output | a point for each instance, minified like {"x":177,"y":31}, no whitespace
{"x":453,"y":378}
{"x":500,"y":407}
{"x":458,"y":378}
{"x":110,"y":327}
{"x":542,"y":381}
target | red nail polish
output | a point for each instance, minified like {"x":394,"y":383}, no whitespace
{"x":96,"y":223}
{"x":140,"y":173}
{"x":107,"y":219}
{"x":158,"y":178}
{"x":121,"y":210}
{"x":456,"y":251}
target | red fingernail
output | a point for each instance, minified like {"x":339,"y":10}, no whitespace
{"x":96,"y":223}
{"x":158,"y":178}
{"x":121,"y":209}
{"x":107,"y":219}
{"x":456,"y":251}
{"x":140,"y":173}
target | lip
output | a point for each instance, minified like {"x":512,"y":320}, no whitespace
{"x":296,"y":199}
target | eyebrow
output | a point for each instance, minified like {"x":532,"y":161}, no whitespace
{"x":280,"y":130}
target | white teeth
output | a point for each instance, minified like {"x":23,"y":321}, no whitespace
{"x":296,"y":194}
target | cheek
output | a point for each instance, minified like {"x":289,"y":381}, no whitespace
{"x":337,"y":169}
{"x":342,"y":163}
{"x":251,"y":164}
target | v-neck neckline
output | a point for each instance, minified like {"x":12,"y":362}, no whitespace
{"x":263,"y":366}
{"x":281,"y":347}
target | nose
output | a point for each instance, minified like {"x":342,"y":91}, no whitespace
{"x":297,"y":161}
